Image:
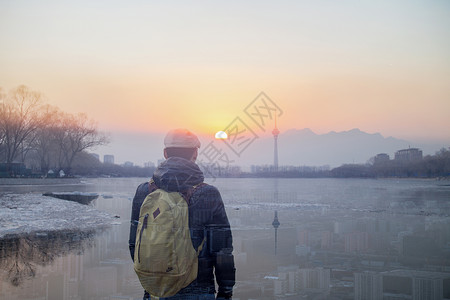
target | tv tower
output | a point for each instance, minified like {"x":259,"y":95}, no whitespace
{"x":275,"y":133}
{"x":275,"y":225}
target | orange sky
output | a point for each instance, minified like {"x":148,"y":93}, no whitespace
{"x":381,"y":67}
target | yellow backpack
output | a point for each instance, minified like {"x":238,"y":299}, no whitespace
{"x":164,"y":258}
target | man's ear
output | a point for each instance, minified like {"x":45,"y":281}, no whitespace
{"x":165,"y":154}
{"x":194,"y":156}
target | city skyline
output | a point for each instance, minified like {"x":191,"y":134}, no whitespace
{"x":354,"y":145}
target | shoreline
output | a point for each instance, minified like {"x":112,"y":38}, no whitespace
{"x":39,"y":181}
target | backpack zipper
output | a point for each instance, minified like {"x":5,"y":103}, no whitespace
{"x":144,"y":225}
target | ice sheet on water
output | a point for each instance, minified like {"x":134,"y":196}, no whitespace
{"x":26,"y":213}
{"x":279,"y":205}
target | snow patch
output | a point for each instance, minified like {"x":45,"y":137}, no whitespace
{"x":27,"y":213}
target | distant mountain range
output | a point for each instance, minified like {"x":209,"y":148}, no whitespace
{"x":305,"y":148}
{"x":299,"y":147}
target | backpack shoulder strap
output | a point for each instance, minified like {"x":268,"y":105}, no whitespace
{"x":152,"y":186}
{"x":188,"y":194}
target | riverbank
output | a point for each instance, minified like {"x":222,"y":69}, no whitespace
{"x":34,"y":213}
{"x":38,"y":181}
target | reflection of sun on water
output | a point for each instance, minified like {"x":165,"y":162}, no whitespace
{"x":221,"y":135}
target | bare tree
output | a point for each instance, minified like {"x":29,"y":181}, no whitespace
{"x":45,"y":144}
{"x":20,"y":118}
{"x":53,"y":137}
{"x":2,"y":116}
{"x":77,"y":133}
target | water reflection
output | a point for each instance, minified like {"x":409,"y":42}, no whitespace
{"x":346,"y":244}
{"x":21,"y":255}
{"x":338,"y":239}
{"x":323,"y":254}
{"x":275,"y":225}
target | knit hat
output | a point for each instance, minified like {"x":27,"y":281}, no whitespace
{"x":181,"y":138}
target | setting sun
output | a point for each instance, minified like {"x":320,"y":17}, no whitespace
{"x":221,"y":135}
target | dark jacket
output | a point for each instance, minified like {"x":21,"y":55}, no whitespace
{"x":207,"y":217}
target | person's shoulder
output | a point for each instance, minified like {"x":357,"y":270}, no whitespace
{"x":143,"y":189}
{"x":206,"y":188}
{"x":143,"y":186}
{"x":206,"y":193}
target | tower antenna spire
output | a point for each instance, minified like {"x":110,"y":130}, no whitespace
{"x":275,"y":121}
{"x":275,"y":133}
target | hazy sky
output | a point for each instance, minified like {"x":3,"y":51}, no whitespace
{"x":381,"y":66}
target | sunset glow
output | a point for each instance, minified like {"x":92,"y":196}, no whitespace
{"x":147,"y":67}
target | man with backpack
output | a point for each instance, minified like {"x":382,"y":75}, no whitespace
{"x":180,"y":236}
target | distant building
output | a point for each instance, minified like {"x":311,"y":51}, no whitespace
{"x":95,"y":155}
{"x":402,"y":284}
{"x":346,"y":226}
{"x":326,"y":240}
{"x":317,"y":278}
{"x":149,"y":164}
{"x":380,"y":158}
{"x":356,"y":241}
{"x":368,"y":286}
{"x":292,"y":280}
{"x":303,"y":237}
{"x":409,"y":154}
{"x":108,"y":159}
{"x":281,"y":285}
{"x":415,"y":284}
{"x":128,"y":164}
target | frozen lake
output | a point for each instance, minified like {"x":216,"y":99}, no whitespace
{"x":338,"y":238}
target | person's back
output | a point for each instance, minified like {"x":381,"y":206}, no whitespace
{"x":207,"y":217}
